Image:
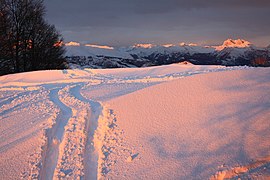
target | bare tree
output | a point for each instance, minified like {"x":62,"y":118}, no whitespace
{"x":27,"y":41}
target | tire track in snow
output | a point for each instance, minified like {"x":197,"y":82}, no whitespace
{"x":90,"y":158}
{"x":68,"y":151}
{"x":53,"y":136}
{"x":16,"y":101}
{"x":72,"y":148}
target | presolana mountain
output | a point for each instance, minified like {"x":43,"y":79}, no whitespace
{"x":230,"y":53}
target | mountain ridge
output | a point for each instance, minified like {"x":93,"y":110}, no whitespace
{"x":230,"y":53}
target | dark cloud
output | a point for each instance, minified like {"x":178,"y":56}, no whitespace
{"x":123,"y":22}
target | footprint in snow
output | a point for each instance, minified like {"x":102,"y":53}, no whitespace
{"x":132,"y":157}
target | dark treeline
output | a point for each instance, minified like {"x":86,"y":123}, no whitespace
{"x":27,"y":41}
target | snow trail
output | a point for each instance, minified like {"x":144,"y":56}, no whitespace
{"x":9,"y":99}
{"x":90,"y":157}
{"x":54,"y":135}
{"x":71,"y":147}
{"x":68,"y":151}
{"x":17,"y":101}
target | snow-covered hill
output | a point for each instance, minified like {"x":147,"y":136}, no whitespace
{"x":178,"y":121}
{"x":231,"y":52}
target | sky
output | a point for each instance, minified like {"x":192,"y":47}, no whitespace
{"x":127,"y":22}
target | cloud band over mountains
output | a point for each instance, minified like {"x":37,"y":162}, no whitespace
{"x":125,"y":22}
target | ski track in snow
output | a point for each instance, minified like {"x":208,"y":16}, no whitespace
{"x":54,"y":135}
{"x":71,"y":134}
{"x":72,"y":145}
{"x":90,"y":162}
{"x":68,"y":150}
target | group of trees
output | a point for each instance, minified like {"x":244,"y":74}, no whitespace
{"x":260,"y":61}
{"x":27,"y":41}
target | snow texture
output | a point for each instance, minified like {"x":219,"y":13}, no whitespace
{"x":177,"y":121}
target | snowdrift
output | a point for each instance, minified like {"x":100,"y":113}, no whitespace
{"x":197,"y":126}
{"x":168,"y":122}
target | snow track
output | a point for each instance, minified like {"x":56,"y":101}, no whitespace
{"x":54,"y":135}
{"x":90,"y":158}
{"x":72,"y":146}
{"x":68,"y":152}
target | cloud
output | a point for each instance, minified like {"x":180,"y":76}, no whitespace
{"x":120,"y":22}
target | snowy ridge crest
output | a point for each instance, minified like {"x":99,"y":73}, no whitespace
{"x":231,"y":52}
{"x":230,"y":43}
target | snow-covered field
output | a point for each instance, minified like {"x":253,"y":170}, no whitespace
{"x":169,"y":122}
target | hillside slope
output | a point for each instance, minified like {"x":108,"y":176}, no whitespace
{"x":154,"y":122}
{"x":195,"y":127}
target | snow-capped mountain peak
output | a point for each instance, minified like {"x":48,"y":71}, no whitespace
{"x":146,"y":46}
{"x":99,"y":46}
{"x":231,"y":52}
{"x":72,"y":43}
{"x":230,"y":43}
{"x":187,"y":44}
{"x":168,"y":45}
{"x":76,"y":49}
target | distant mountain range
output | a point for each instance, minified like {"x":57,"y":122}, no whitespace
{"x":230,"y":53}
